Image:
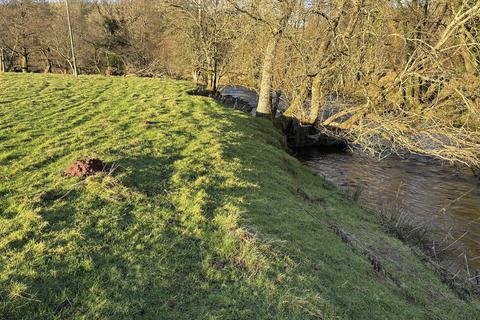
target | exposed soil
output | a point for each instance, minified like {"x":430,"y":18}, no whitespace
{"x":83,"y":168}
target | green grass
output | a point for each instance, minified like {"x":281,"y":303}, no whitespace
{"x":205,"y":217}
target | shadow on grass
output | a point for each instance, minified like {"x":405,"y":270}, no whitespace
{"x":147,"y":174}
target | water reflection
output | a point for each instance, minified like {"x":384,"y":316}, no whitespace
{"x":444,"y":197}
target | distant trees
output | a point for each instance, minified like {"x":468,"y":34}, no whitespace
{"x":21,"y":23}
{"x":112,"y":37}
{"x":208,"y":26}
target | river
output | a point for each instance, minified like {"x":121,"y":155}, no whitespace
{"x":442,"y":197}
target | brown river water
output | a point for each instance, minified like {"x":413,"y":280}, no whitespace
{"x":443,"y":198}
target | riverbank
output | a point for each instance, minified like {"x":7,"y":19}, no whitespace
{"x":429,"y":195}
{"x":204,"y":214}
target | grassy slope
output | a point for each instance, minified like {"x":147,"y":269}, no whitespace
{"x":205,"y":217}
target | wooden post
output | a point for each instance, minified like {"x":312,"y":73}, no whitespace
{"x":72,"y":46}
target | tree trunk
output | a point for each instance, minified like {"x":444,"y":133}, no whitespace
{"x":109,"y":69}
{"x":297,"y":107}
{"x":317,"y":100}
{"x":211,"y":82}
{"x":196,"y":76}
{"x":48,"y":61}
{"x":2,"y":60}
{"x":264,"y":100}
{"x":96,"y":61}
{"x":48,"y":66}
{"x":24,"y":60}
{"x":212,"y":76}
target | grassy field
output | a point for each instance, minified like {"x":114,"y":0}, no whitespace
{"x":205,"y":216}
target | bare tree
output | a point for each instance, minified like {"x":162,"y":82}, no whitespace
{"x":210,"y":33}
{"x":275,"y":16}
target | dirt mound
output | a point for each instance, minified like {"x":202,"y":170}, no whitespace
{"x":83,"y":168}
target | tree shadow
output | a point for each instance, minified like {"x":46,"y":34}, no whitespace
{"x":149,"y":175}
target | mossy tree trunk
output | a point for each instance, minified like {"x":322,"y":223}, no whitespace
{"x":265,"y":99}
